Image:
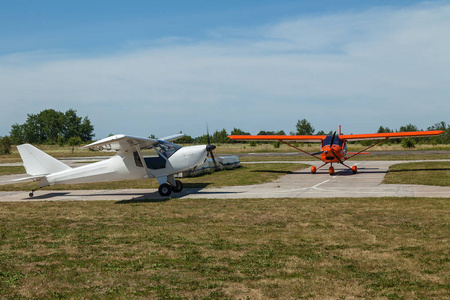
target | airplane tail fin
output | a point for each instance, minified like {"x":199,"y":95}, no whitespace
{"x":37,"y":162}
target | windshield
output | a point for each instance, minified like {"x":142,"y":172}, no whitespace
{"x":327,"y":140}
{"x":166,"y":149}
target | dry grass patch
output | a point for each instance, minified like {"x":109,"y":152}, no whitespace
{"x":425,"y":173}
{"x":393,"y":248}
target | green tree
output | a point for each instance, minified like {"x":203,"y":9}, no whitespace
{"x":50,"y":125}
{"x":74,"y":141}
{"x":237,"y":131}
{"x":17,"y":134}
{"x":383,"y":130}
{"x":187,"y":139}
{"x":220,"y":137}
{"x":5,"y":145}
{"x":409,"y":127}
{"x":304,"y":127}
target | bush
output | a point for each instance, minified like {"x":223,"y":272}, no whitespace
{"x":5,"y":145}
{"x":408,"y":143}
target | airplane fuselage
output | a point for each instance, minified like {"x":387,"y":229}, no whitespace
{"x":126,"y":165}
{"x":333,"y":153}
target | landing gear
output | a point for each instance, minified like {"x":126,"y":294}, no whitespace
{"x":331,"y":170}
{"x":354,"y":169}
{"x":178,"y":186}
{"x":313,"y":170}
{"x":166,"y":189}
{"x":31,"y":194}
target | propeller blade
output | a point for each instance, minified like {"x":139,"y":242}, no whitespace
{"x":337,"y":157}
{"x":207,"y":135}
{"x":332,"y":139}
{"x":210,"y":148}
{"x":317,"y":153}
{"x":214,"y":160}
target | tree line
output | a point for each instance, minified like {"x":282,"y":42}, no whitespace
{"x":54,"y":127}
{"x":304,"y":127}
{"x":49,"y":127}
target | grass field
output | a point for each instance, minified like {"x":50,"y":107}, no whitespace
{"x":425,"y":173}
{"x":384,"y":248}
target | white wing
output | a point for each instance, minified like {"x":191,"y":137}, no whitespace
{"x":121,"y":142}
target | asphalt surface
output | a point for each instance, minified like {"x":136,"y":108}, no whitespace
{"x":300,"y":184}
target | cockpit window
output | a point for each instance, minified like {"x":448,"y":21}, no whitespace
{"x":166,"y":149}
{"x":337,"y":141}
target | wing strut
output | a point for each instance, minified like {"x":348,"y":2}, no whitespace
{"x":299,"y":149}
{"x":368,"y":148}
{"x":138,"y":148}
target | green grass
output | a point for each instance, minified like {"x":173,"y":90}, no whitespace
{"x":384,"y":248}
{"x":425,"y":173}
{"x":9,"y":170}
{"x":247,"y":174}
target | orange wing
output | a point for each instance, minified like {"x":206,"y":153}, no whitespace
{"x":396,"y":135}
{"x":303,"y":138}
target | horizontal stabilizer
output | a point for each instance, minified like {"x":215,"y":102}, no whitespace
{"x":37,"y":162}
{"x":31,"y":178}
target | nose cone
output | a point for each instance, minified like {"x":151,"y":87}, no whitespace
{"x":210,"y":148}
{"x":195,"y":155}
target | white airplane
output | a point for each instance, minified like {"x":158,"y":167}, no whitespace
{"x":129,"y":163}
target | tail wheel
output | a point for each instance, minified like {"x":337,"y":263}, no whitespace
{"x":178,"y":186}
{"x":331,"y":170}
{"x":165,"y":190}
{"x":313,"y":170}
{"x":354,"y":169}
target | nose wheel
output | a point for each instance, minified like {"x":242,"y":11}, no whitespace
{"x":331,"y":171}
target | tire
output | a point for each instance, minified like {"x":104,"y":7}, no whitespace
{"x":178,"y":188}
{"x":331,"y":171}
{"x":165,"y":190}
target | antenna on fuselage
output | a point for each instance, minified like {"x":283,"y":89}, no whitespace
{"x":339,"y":131}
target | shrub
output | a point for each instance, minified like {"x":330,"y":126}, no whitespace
{"x":5,"y":145}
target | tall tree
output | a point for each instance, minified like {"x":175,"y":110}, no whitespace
{"x":304,"y":127}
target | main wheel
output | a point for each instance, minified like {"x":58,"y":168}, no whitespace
{"x":313,"y":170}
{"x":354,"y":169}
{"x":178,"y":188}
{"x":165,"y":190}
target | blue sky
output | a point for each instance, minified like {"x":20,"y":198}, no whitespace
{"x":160,"y":67}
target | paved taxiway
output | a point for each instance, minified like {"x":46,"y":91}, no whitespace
{"x":300,"y":184}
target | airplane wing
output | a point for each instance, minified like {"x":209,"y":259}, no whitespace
{"x":121,"y":142}
{"x":394,"y":135}
{"x":302,"y":138}
{"x":172,"y":137}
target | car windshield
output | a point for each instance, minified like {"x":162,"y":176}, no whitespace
{"x":337,"y":140}
{"x":166,"y":149}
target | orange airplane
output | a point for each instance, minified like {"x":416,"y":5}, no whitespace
{"x":334,"y":147}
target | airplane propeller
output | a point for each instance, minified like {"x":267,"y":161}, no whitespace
{"x":332,"y":139}
{"x":332,"y":151}
{"x":210,"y":148}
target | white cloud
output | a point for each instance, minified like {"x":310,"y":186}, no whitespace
{"x":377,"y":67}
